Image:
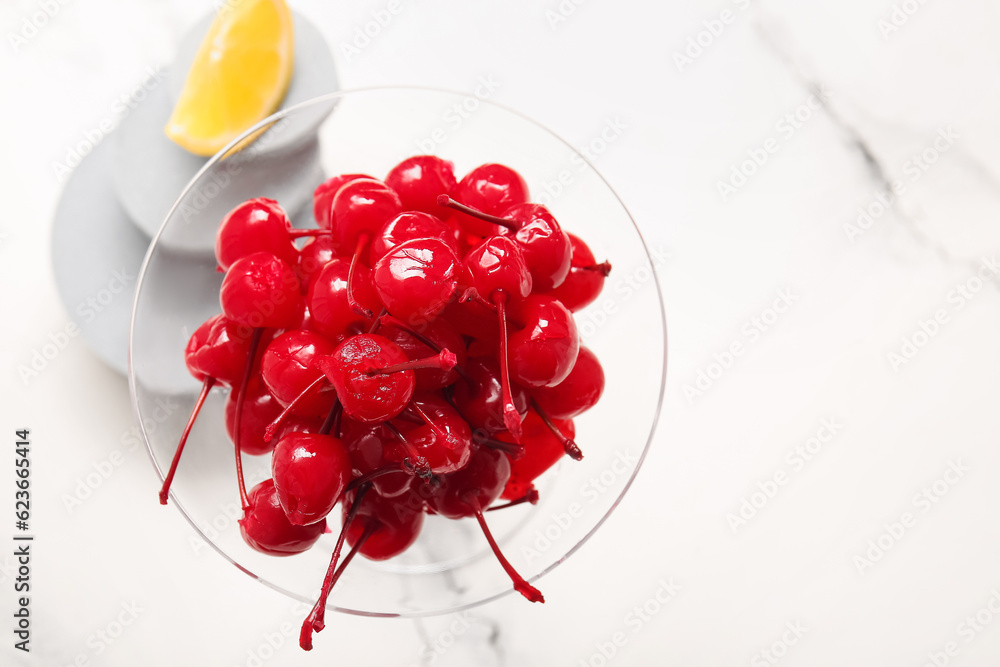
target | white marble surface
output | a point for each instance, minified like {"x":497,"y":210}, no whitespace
{"x":908,"y":115}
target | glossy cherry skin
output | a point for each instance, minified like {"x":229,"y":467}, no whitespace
{"x":447,"y":447}
{"x":582,"y":285}
{"x":444,"y":336}
{"x":546,"y":247}
{"x":218,"y":349}
{"x":260,"y":408}
{"x":541,"y":451}
{"x":265,"y":527}
{"x":543,"y":352}
{"x":323,"y":197}
{"x":310,"y":471}
{"x":287,"y":369}
{"x":253,"y":226}
{"x":475,"y":486}
{"x":261,"y":290}
{"x":479,"y":397}
{"x":369,"y":398}
{"x":497,"y":264}
{"x":407,"y":226}
{"x":417,"y":279}
{"x":492,"y":189}
{"x":362,"y":207}
{"x":331,"y":314}
{"x":396,"y":526}
{"x":314,"y":255}
{"x":579,"y":392}
{"x":373,"y":447}
{"x":418,"y":181}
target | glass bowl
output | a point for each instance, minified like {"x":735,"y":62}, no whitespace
{"x":369,"y":131}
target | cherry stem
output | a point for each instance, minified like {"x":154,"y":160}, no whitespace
{"x":351,"y":301}
{"x":314,"y":622}
{"x":206,"y":386}
{"x":240,"y":400}
{"x":530,"y":497}
{"x":378,"y":322}
{"x":438,"y":431}
{"x":604,"y":268}
{"x":331,"y":417}
{"x":391,"y":321}
{"x":520,"y":585}
{"x":507,"y":223}
{"x":511,"y":419}
{"x":273,"y":426}
{"x":568,"y":443}
{"x":444,"y":360}
{"x":300,"y":233}
{"x":374,"y":474}
{"x":414,"y":460}
{"x":509,"y":448}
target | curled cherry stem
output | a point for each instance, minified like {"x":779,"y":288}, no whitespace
{"x":520,"y":585}
{"x":206,"y":386}
{"x":530,"y":497}
{"x":506,"y":223}
{"x":273,"y":426}
{"x":569,"y":445}
{"x":240,"y":400}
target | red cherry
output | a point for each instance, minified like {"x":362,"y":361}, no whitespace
{"x":497,"y":264}
{"x":546,"y":247}
{"x":444,"y":439}
{"x":471,"y":490}
{"x":360,"y":209}
{"x":407,"y":226}
{"x":374,"y":377}
{"x":261,"y":290}
{"x":492,"y":189}
{"x":323,"y":197}
{"x":416,"y":279}
{"x":423,"y":341}
{"x":479,"y":395}
{"x":585,"y":280}
{"x":331,"y":312}
{"x":314,"y":255}
{"x":373,"y":447}
{"x":287,"y":369}
{"x":543,"y":352}
{"x":392,"y":526}
{"x":310,"y":471}
{"x":265,"y":527}
{"x":218,"y":349}
{"x":576,"y":394}
{"x":541,"y":451}
{"x":418,"y":181}
{"x":260,"y":408}
{"x":253,"y":226}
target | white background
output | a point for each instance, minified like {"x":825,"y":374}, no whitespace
{"x":887,"y":93}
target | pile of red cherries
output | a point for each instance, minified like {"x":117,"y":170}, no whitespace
{"x":416,"y":354}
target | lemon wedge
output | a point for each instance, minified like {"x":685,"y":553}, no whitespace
{"x":239,"y":76}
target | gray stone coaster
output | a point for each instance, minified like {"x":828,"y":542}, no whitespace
{"x":150,"y":171}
